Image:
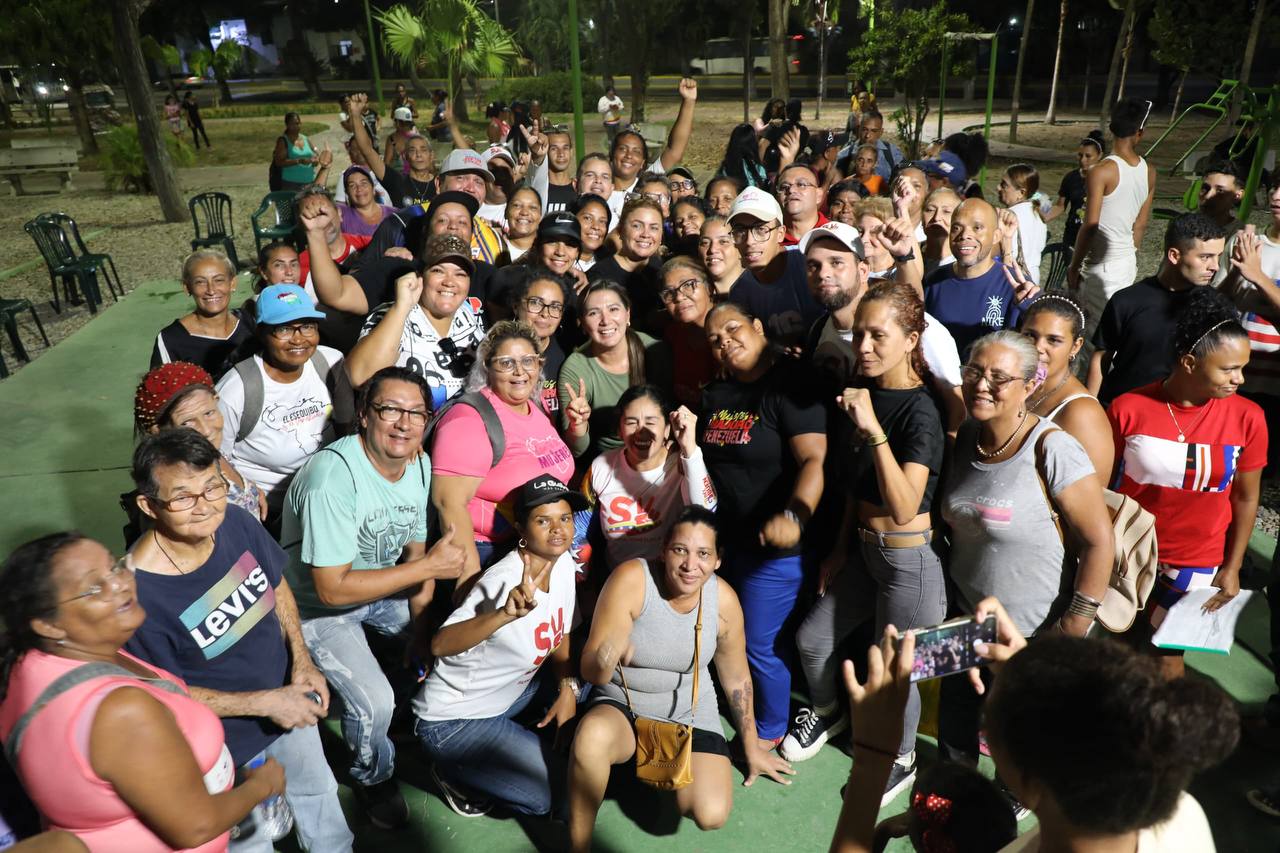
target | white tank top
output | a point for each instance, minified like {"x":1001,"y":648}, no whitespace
{"x":1114,"y":238}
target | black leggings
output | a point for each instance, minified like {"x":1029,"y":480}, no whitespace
{"x":197,"y":130}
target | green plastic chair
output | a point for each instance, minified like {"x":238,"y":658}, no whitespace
{"x":9,"y":311}
{"x":78,"y":278}
{"x":218,"y":226}
{"x":279,"y":225}
{"x":1058,"y":256}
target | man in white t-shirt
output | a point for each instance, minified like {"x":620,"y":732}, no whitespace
{"x":432,"y":327}
{"x":610,"y":108}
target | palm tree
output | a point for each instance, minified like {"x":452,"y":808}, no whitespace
{"x":1017,"y":75}
{"x":453,"y":34}
{"x":779,"y":72}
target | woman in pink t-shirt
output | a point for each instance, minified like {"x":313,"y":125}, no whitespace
{"x":468,"y":489}
{"x":124,"y":758}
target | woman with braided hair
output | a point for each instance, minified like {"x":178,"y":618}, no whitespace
{"x":1191,"y":450}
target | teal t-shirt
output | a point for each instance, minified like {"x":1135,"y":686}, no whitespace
{"x":340,"y":510}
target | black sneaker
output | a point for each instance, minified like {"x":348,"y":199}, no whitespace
{"x":901,"y":775}
{"x":383,"y":803}
{"x":458,"y":801}
{"x":1020,"y":812}
{"x":809,"y":732}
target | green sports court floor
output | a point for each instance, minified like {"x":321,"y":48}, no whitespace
{"x":65,"y":441}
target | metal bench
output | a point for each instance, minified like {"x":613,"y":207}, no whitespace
{"x":19,"y":164}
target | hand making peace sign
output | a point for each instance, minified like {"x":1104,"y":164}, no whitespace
{"x":523,"y":597}
{"x":578,"y":410}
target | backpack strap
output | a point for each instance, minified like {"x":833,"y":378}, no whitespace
{"x":254,"y":397}
{"x":1042,"y":479}
{"x":68,"y":681}
{"x":488,"y":416}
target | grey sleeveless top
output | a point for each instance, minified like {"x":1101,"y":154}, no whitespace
{"x":660,"y":677}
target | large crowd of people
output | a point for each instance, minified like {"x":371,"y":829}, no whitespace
{"x":533,"y":450}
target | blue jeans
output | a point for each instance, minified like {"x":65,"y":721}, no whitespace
{"x":311,"y":792}
{"x":496,"y":757}
{"x":341,"y":651}
{"x":767,"y":589}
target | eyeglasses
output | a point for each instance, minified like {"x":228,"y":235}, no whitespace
{"x":785,"y":189}
{"x":391,"y":414}
{"x":103,"y":588}
{"x":212,"y":494}
{"x":996,"y":381}
{"x":507,"y":363}
{"x":759,"y":233}
{"x":285,"y":332}
{"x":683,"y":185}
{"x":686,"y":288}
{"x":537,"y":305}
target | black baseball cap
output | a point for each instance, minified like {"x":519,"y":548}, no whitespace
{"x":560,"y":226}
{"x":454,"y":197}
{"x":545,"y":489}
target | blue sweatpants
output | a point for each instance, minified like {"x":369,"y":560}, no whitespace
{"x":767,"y":589}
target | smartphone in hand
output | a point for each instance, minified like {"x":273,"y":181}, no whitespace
{"x":950,"y":647}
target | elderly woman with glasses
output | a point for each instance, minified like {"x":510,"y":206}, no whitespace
{"x":277,"y":405}
{"x":1013,"y":477}
{"x":493,"y":439}
{"x":143,"y":769}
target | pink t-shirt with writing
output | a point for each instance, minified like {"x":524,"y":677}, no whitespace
{"x":461,"y":449}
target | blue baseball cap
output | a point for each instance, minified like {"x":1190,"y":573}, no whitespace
{"x":284,"y":303}
{"x":947,"y":165}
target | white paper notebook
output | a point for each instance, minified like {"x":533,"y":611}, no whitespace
{"x":1189,"y":626}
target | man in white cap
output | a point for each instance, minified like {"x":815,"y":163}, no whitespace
{"x":772,"y":286}
{"x":501,"y":163}
{"x":837,"y":271}
{"x":465,"y":171}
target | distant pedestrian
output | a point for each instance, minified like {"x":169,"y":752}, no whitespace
{"x":173,"y":115}
{"x":610,"y":108}
{"x":193,"y":119}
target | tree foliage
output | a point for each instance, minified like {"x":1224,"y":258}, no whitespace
{"x":905,"y":50}
{"x":1189,"y":35}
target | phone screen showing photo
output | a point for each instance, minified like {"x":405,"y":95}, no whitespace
{"x":949,"y":648}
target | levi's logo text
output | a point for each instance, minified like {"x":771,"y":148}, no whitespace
{"x":230,"y":608}
{"x":726,"y":427}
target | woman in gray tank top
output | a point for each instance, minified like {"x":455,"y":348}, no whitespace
{"x":644,"y":629}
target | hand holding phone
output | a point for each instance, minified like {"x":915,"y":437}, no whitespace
{"x":951,"y":647}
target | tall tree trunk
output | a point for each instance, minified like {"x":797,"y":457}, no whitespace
{"x":302,"y":56}
{"x":1246,"y":64}
{"x":133,"y":74}
{"x":1051,"y":114}
{"x":415,"y":82}
{"x":822,"y":57}
{"x":202,"y":27}
{"x":748,"y":66}
{"x":780,"y":83}
{"x":1177,"y":98}
{"x":1088,"y":75}
{"x":1130,"y":10}
{"x":639,"y":91}
{"x":1128,"y":53}
{"x":1017,"y":74}
{"x":457,"y":98}
{"x":80,"y":116}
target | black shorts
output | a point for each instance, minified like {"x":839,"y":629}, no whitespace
{"x":710,"y":743}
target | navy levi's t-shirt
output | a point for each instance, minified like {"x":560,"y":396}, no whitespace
{"x":971,"y":308}
{"x":216,"y":626}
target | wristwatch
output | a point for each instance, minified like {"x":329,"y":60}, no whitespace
{"x":902,"y":259}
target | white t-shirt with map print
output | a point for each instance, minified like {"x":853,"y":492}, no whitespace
{"x":294,"y":424}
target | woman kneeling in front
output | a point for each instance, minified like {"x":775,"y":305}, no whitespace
{"x":489,"y":658}
{"x":642,"y":653}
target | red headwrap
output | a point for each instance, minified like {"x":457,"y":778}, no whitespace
{"x":160,"y":385}
{"x":933,"y":811}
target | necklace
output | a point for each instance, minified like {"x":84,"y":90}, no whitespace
{"x":977,"y":442}
{"x":155,"y":537}
{"x":1038,"y":403}
{"x":1182,"y":433}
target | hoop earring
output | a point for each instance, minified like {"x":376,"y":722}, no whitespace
{"x":522,"y":544}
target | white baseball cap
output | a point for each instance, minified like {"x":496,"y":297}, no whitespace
{"x":758,"y":203}
{"x":498,"y":151}
{"x":465,"y":160}
{"x":846,"y":235}
{"x":403,"y":114}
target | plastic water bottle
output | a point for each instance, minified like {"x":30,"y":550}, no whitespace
{"x":272,"y":816}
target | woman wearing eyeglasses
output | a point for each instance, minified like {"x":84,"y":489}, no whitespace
{"x":540,"y":305}
{"x":277,"y":405}
{"x":686,"y":293}
{"x":468,"y":487}
{"x":1011,"y":473}
{"x":125,"y":760}
{"x":637,"y":262}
